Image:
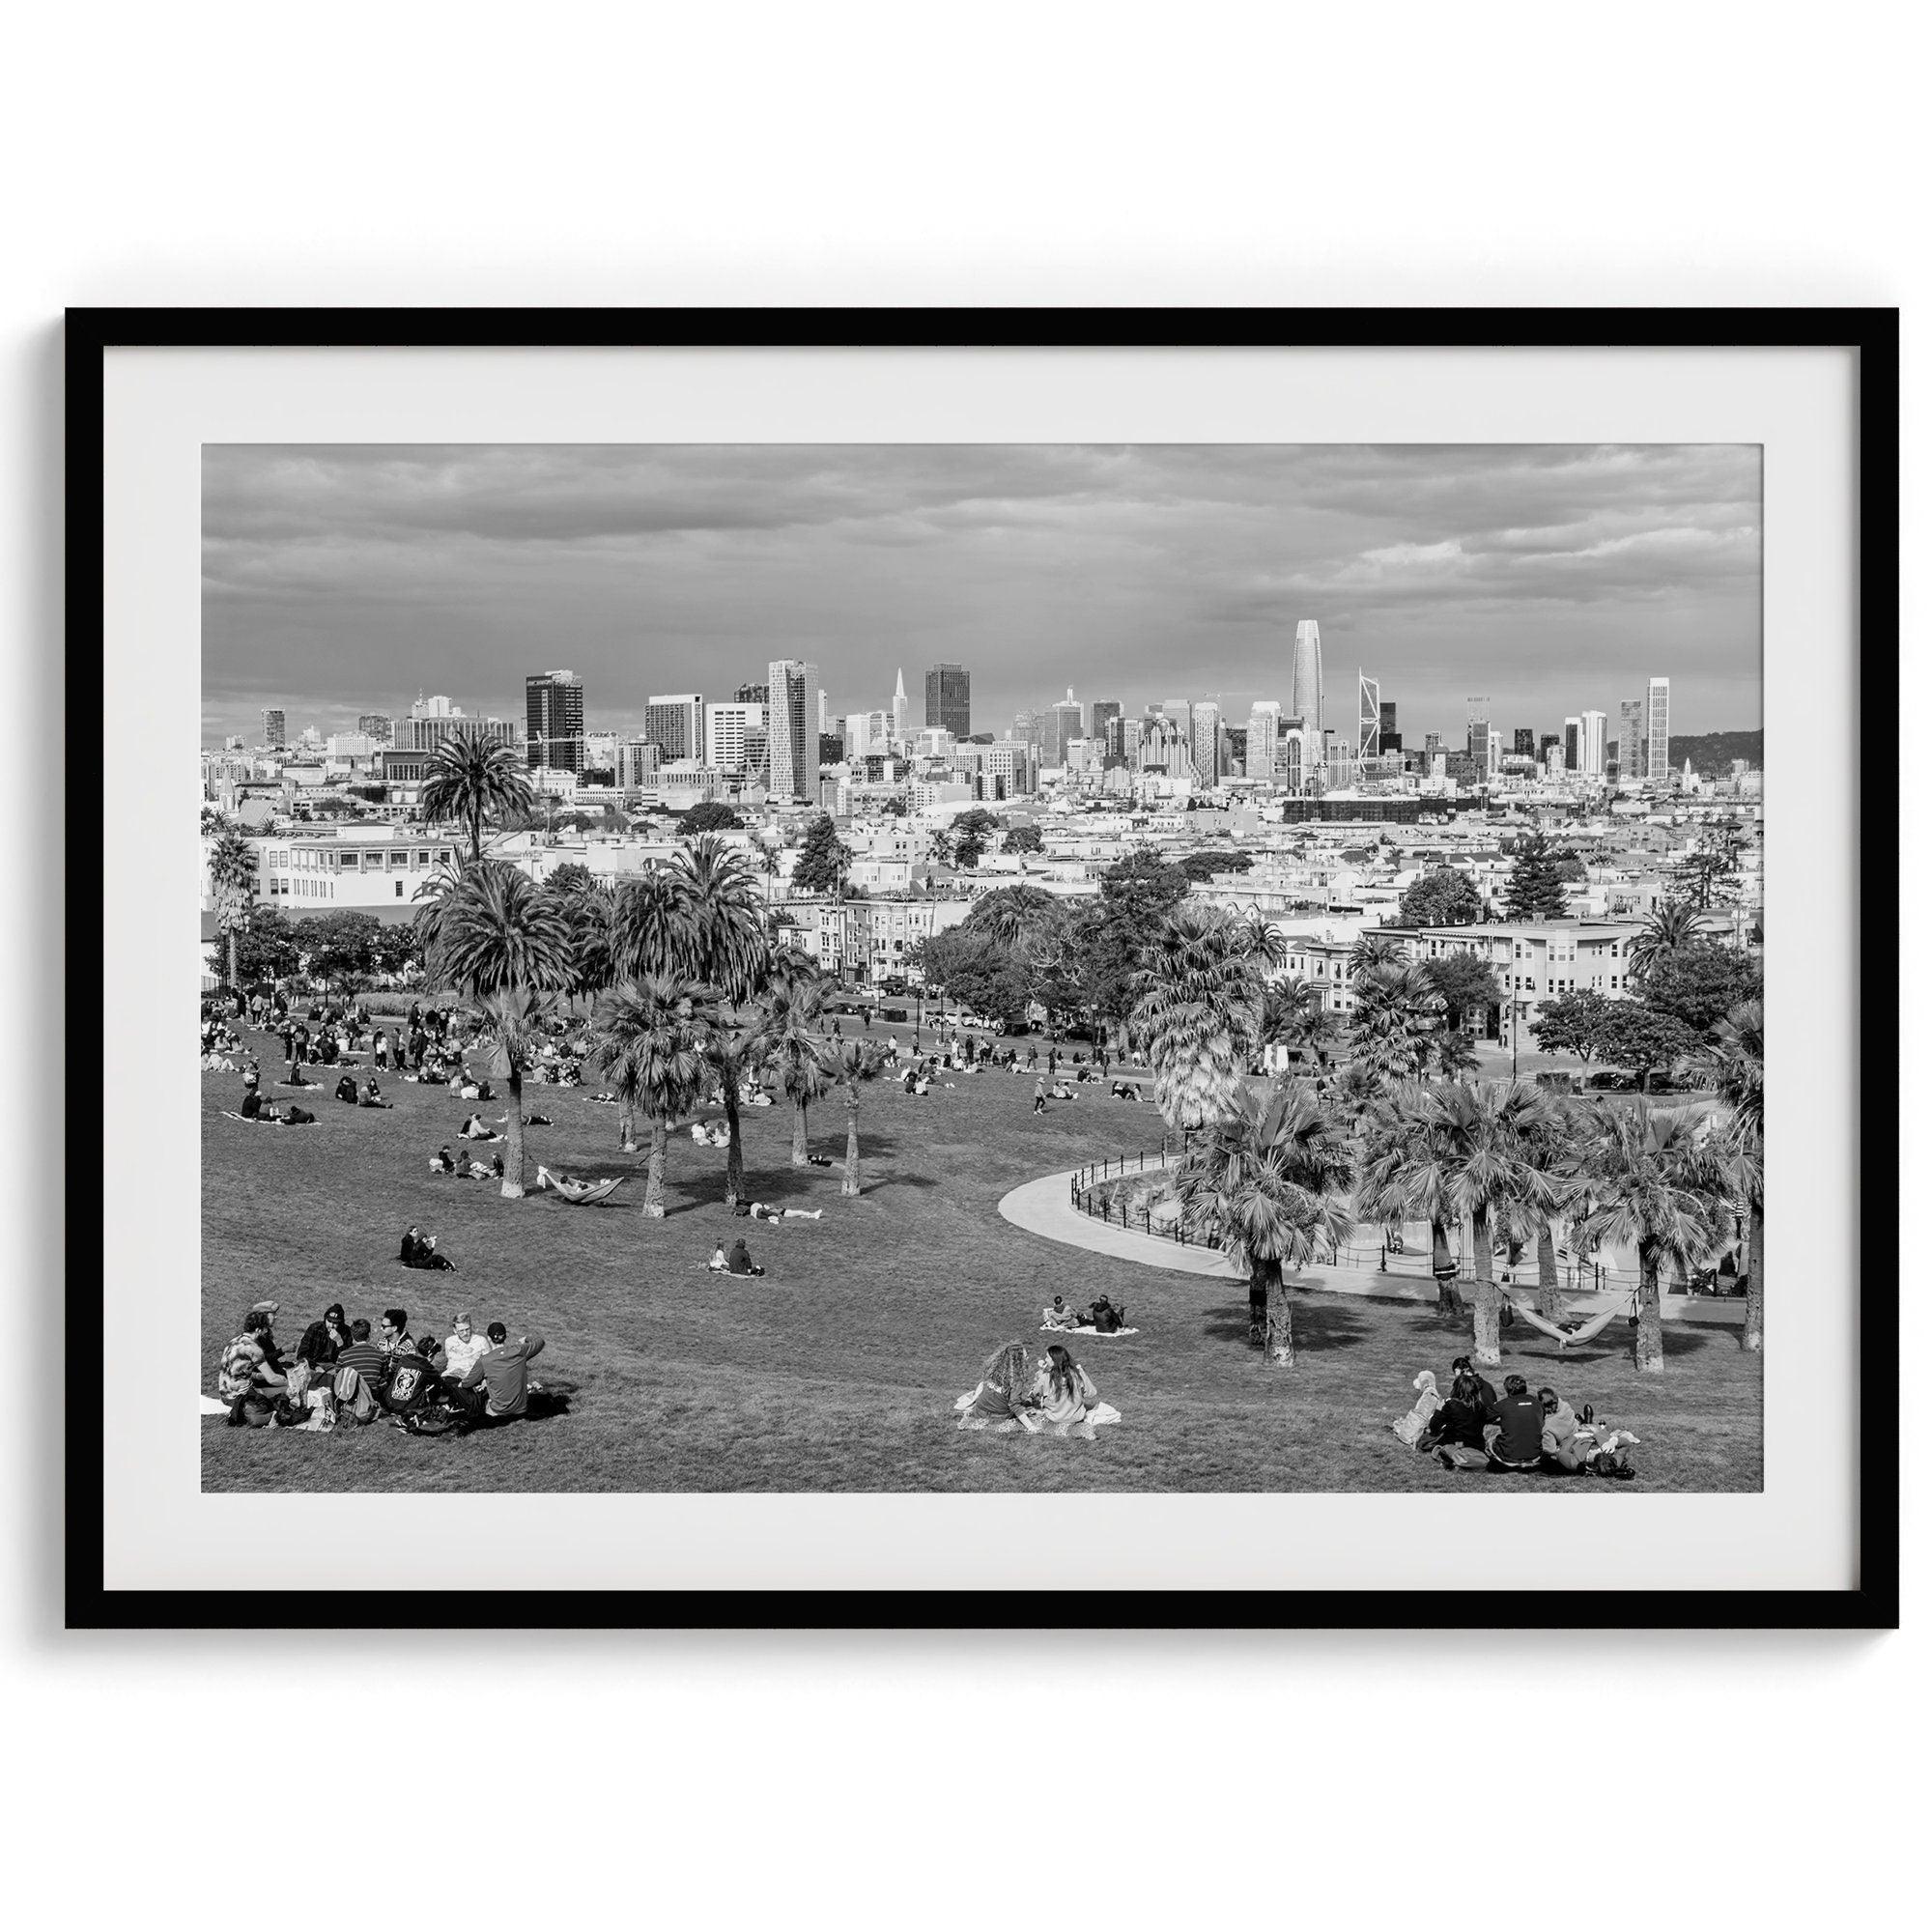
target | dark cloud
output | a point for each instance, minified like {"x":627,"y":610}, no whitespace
{"x":1552,"y":579}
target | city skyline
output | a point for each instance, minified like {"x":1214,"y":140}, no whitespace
{"x":339,"y":580}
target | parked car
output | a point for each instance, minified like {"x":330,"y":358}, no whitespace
{"x":1610,"y":1081}
{"x":894,"y":1014}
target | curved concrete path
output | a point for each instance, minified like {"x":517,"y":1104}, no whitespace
{"x":1044,"y":1207}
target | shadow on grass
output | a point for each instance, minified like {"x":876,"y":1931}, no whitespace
{"x":1320,"y":1327}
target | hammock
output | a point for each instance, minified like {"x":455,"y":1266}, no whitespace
{"x":578,"y":1193}
{"x":1104,"y":1334}
{"x":1566,"y":1338}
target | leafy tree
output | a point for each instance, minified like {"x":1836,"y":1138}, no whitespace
{"x":709,"y":816}
{"x":505,"y":946}
{"x":1736,"y":1061}
{"x":474,"y":779}
{"x":340,"y":945}
{"x":234,"y":866}
{"x":1635,"y":1036}
{"x":1023,"y":839}
{"x":651,"y":1036}
{"x":1139,"y":892}
{"x":269,"y":950}
{"x":393,"y":949}
{"x":1535,"y":885}
{"x":796,"y":1040}
{"x":859,"y":1060}
{"x":970,"y":831}
{"x":823,"y":859}
{"x":1697,"y":984}
{"x":587,"y":908}
{"x":1441,"y":897}
{"x":1196,"y":1014}
{"x":1656,"y":1186}
{"x":1198,"y":868}
{"x":1467,"y":986}
{"x":976,"y":969}
{"x":1708,"y":877}
{"x":1570,"y":1023}
{"x":1268,"y":1182}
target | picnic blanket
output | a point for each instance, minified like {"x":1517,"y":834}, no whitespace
{"x":1104,"y":1334}
{"x":210,"y":1406}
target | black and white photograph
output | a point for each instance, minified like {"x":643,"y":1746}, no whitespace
{"x":1022,"y":967}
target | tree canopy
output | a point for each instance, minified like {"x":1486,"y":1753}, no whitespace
{"x":709,"y":816}
{"x":1441,"y":897}
{"x":1023,"y":839}
{"x":1468,"y":984}
{"x":1697,"y":983}
{"x":970,"y":831}
{"x":1535,"y":882}
{"x":822,"y":859}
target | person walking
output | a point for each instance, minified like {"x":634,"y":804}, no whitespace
{"x":1040,"y":1096}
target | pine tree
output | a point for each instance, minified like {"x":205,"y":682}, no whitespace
{"x":1535,"y":883}
{"x":822,"y":859}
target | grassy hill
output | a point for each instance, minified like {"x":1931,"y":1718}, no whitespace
{"x":1711,"y":751}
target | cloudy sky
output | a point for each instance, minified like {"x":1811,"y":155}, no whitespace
{"x":1552,"y":579}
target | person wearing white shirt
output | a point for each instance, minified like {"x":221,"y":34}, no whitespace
{"x":464,"y":1347}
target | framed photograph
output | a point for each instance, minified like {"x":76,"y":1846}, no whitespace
{"x":983,"y":968}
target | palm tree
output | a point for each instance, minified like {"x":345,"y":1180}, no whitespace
{"x":1269,"y":1181}
{"x":1263,"y":938}
{"x":1554,"y":1136}
{"x":507,"y":946}
{"x":794,"y":1040}
{"x":722,"y":934}
{"x":650,"y":929}
{"x":1406,"y":1176}
{"x":735,"y":1050}
{"x":858,"y":1062}
{"x":1370,"y":951}
{"x":1658,"y":1187}
{"x":587,"y":907}
{"x":1492,"y":1151}
{"x":1397,"y":1017}
{"x":1737,"y":1071}
{"x":1196,"y":1013}
{"x":473,"y":777}
{"x":1669,"y":927}
{"x":1452,"y":1053}
{"x":232,"y":869}
{"x":651,"y":1036}
{"x":1293,"y":1015}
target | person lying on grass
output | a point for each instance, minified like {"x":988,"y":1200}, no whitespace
{"x":763,"y":1212}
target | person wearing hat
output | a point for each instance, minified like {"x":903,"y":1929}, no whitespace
{"x":267,"y":1311}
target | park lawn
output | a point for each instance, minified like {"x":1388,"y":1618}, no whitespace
{"x":839,"y":1369}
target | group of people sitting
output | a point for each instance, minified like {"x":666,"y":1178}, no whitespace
{"x":1517,"y":1433}
{"x":368,"y":1096}
{"x":1051,"y":1396}
{"x":1126,"y":1090}
{"x":269,"y":1113}
{"x":1100,"y":1317}
{"x":738,"y":1261}
{"x":419,"y":1250}
{"x":342,"y":1368}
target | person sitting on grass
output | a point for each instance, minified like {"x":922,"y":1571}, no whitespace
{"x":1002,"y":1400}
{"x":1060,"y":1316}
{"x":246,"y":1379}
{"x":497,"y":1387}
{"x":739,"y":1261}
{"x":1464,"y":1366}
{"x":1070,"y":1405}
{"x":371,"y":1094}
{"x":1104,"y":1318}
{"x":474,"y":1130}
{"x":1561,"y":1450}
{"x":1454,"y":1433}
{"x":324,"y":1340}
{"x":763,"y":1212}
{"x":442,"y":1161}
{"x":360,"y":1371}
{"x":345,"y":1090}
{"x":1516,"y":1435}
{"x":464,"y":1348}
{"x":412,"y":1382}
{"x":419,"y":1251}
{"x":394,"y":1333}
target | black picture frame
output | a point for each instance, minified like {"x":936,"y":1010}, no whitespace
{"x":1871,"y":332}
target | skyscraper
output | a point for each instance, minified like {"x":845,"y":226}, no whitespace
{"x":1100,"y":717}
{"x":949,"y":699}
{"x":554,"y":720}
{"x":378,"y":725}
{"x":275,"y":729}
{"x":1205,"y":743}
{"x":1525,"y":741}
{"x":793,"y":726}
{"x":1180,"y":713}
{"x":1630,"y":739}
{"x":1063,"y":723}
{"x":727,"y":733}
{"x":1656,"y":729}
{"x":1478,"y":743}
{"x":1391,"y":736}
{"x":1369,"y":715}
{"x":1594,"y":722}
{"x":1305,"y":691}
{"x":1572,"y":744}
{"x":1264,"y":729}
{"x":901,"y":721}
{"x":675,"y":724}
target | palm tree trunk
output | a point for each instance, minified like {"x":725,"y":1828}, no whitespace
{"x":654,"y":1171}
{"x":798,"y":1156}
{"x":850,"y":1184}
{"x":1752,"y":1339}
{"x":1648,"y":1313}
{"x":513,"y":1127}
{"x":1489,"y":1303}
{"x":1547,"y":1304}
{"x":1447,"y":1301}
{"x":1278,"y":1331}
{"x":234,"y":958}
{"x":627,"y":1126}
{"x":734,"y":1152}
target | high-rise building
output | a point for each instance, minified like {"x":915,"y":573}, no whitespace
{"x":1525,"y":741}
{"x":1656,"y":729}
{"x":1630,"y":739}
{"x":1264,"y":729}
{"x":1369,"y":715}
{"x":1431,"y":744}
{"x":638,"y":764}
{"x":1492,"y":753}
{"x":1572,"y":744}
{"x":752,"y":693}
{"x":276,"y":730}
{"x":1478,"y":743}
{"x":1549,"y":741}
{"x":792,"y":726}
{"x":1100,"y":717}
{"x":554,"y":720}
{"x":901,"y":715}
{"x":1390,"y":735}
{"x":1304,"y":698}
{"x":1205,"y":743}
{"x":1063,"y":723}
{"x":1180,"y":713}
{"x":378,"y":725}
{"x":949,"y":699}
{"x":1594,"y":722}
{"x":674,"y":722}
{"x":728,"y":732}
